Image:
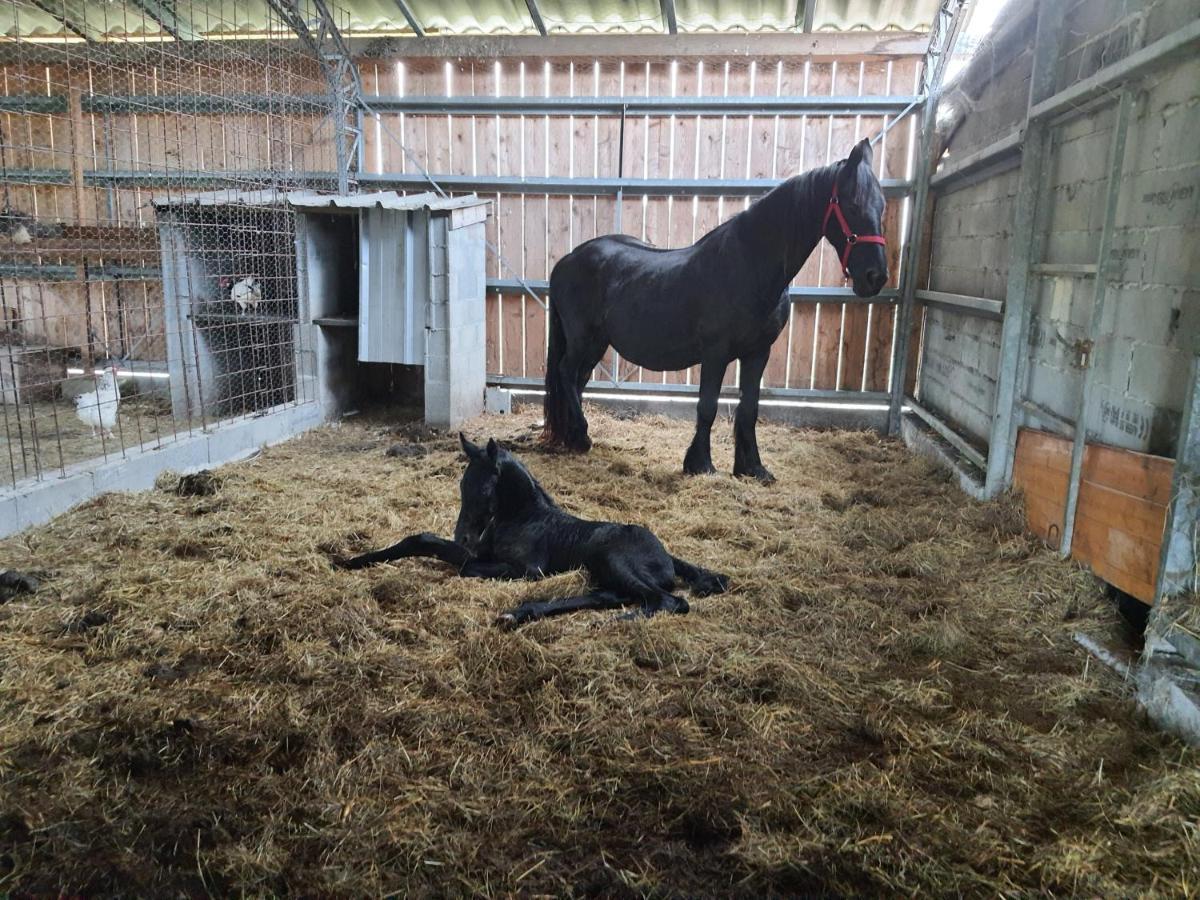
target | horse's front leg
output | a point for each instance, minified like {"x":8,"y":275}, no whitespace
{"x":745,"y":453}
{"x":423,"y":544}
{"x":699,"y":455}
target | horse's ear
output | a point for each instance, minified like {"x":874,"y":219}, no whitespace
{"x":470,"y":449}
{"x":862,"y":152}
{"x":493,"y":449}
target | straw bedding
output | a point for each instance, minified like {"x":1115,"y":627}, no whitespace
{"x":889,"y":701}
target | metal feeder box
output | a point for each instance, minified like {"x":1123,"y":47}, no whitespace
{"x":398,"y":280}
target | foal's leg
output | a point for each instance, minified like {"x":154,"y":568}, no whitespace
{"x":699,"y":455}
{"x":745,"y":452}
{"x":701,"y":580}
{"x":423,"y":544}
{"x":532,"y":610}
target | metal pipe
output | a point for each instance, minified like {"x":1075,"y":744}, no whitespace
{"x":960,"y":303}
{"x":691,"y":390}
{"x":1095,"y":330}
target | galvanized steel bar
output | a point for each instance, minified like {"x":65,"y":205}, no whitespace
{"x":649,"y":105}
{"x":972,"y":306}
{"x":1027,"y":230}
{"x":410,"y":17}
{"x":668,"y":16}
{"x":797,"y":294}
{"x":948,"y":434}
{"x":1116,"y":160}
{"x":941,"y":44}
{"x":1179,"y":568}
{"x":1007,"y":147}
{"x":876,"y":398}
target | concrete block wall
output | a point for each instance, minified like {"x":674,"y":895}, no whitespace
{"x":1153,"y":322}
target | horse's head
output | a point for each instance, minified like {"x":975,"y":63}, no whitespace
{"x":479,"y":494}
{"x":854,"y":222}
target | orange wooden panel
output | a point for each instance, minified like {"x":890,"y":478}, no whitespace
{"x":1140,"y":474}
{"x":1121,"y":513}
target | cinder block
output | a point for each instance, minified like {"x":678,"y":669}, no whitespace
{"x":1159,"y":376}
{"x":497,"y":401}
{"x":1176,"y":260}
{"x":1120,"y":420}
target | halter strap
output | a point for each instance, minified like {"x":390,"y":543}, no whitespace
{"x":835,"y":209}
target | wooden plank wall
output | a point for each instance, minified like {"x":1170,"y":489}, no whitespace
{"x":825,"y":346}
{"x":1121,"y":513}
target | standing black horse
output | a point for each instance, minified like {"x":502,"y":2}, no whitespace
{"x":508,"y":527}
{"x":723,"y":298}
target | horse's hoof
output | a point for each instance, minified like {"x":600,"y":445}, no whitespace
{"x":758,"y":473}
{"x":699,"y":469}
{"x":506,"y":622}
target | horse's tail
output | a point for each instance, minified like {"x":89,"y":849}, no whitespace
{"x":555,"y":404}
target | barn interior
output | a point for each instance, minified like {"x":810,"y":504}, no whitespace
{"x":259,"y":263}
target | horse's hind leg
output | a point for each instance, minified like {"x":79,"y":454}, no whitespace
{"x":533,"y":610}
{"x":700,"y":580}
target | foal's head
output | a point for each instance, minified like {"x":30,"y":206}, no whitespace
{"x":859,"y":197}
{"x":479,"y":494}
{"x":495,"y":486}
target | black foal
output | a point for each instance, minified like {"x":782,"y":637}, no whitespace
{"x":508,"y":527}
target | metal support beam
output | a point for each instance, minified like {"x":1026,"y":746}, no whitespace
{"x":536,"y":15}
{"x":1007,"y":147}
{"x":691,"y":390}
{"x":1179,"y":567}
{"x":979,"y":307}
{"x":948,"y":434}
{"x":72,"y":14}
{"x":163,"y":12}
{"x":805,"y":12}
{"x":1028,"y":227}
{"x":329,"y":48}
{"x":1116,"y":159}
{"x":943,"y":35}
{"x":831,"y":295}
{"x":493,"y":184}
{"x":596,"y":187}
{"x":648,"y":106}
{"x":410,"y":17}
{"x":668,"y":16}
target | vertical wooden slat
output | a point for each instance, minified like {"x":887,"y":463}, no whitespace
{"x":854,"y":321}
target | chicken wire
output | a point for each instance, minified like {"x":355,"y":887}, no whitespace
{"x":95,"y":136}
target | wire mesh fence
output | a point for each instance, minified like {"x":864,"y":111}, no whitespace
{"x":147,"y":260}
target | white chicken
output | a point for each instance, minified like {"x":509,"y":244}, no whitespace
{"x":98,"y":408}
{"x":246,"y":293}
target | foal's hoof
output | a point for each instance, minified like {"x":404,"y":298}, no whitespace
{"x":711,"y":583}
{"x":506,"y":622}
{"x":759,"y":473}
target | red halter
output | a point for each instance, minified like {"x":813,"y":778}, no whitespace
{"x":835,"y":209}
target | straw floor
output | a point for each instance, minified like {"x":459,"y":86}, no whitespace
{"x":888,"y":702}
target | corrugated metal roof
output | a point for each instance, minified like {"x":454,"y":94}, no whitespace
{"x":215,"y":19}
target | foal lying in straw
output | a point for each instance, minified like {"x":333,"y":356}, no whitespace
{"x":508,"y":527}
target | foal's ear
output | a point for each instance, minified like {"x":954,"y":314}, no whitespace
{"x":862,"y":152}
{"x":493,"y":449}
{"x":470,"y":449}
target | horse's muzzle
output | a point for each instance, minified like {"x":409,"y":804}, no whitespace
{"x":870,"y":282}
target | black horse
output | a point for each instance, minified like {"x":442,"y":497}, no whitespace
{"x":723,"y":298}
{"x":508,"y":527}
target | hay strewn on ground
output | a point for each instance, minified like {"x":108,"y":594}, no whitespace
{"x":889,"y":701}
